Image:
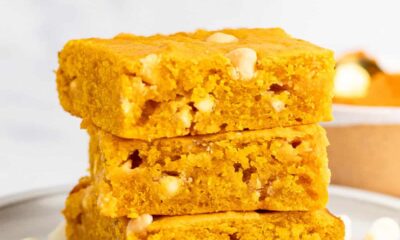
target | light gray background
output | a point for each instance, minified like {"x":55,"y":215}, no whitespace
{"x":40,"y":145}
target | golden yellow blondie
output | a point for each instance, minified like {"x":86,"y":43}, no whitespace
{"x":281,"y":169}
{"x":84,"y":221}
{"x":196,"y":83}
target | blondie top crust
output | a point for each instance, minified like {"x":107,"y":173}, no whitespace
{"x":196,"y":83}
{"x":84,"y":221}
{"x":282,"y":169}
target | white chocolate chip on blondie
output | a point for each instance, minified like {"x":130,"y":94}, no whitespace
{"x":72,"y":85}
{"x":126,"y":105}
{"x":170,"y":185}
{"x":219,"y":37}
{"x":205,"y":105}
{"x":127,"y":166}
{"x":277,"y":105}
{"x":86,"y":198}
{"x":257,"y":193}
{"x":149,"y":64}
{"x":186,"y":117}
{"x":244,"y":60}
{"x":139,"y":224}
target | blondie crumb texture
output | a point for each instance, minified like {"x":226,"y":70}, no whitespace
{"x":196,"y":83}
{"x":85,"y":222}
{"x":282,"y":169}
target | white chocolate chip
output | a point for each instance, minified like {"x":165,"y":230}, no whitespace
{"x":126,"y":105}
{"x":72,"y":85}
{"x":258,"y":184}
{"x":139,"y":224}
{"x":86,"y":197}
{"x":347,"y":226}
{"x":257,"y":193}
{"x":127,"y":166}
{"x":208,"y":148}
{"x":351,"y":81}
{"x":277,"y":105}
{"x":105,"y":200}
{"x":186,"y":117}
{"x":244,"y":60}
{"x":58,"y":233}
{"x":205,"y":105}
{"x":170,"y":185}
{"x":186,"y":179}
{"x":270,"y":190}
{"x":219,"y":37}
{"x":384,"y":229}
{"x":234,"y":74}
{"x":100,"y":200}
{"x":189,"y":180}
{"x":149,"y":63}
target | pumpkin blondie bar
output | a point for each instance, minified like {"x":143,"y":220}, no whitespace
{"x":84,"y":221}
{"x":196,"y":83}
{"x":281,"y":169}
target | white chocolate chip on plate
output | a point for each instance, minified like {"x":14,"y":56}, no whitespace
{"x":244,"y":60}
{"x":58,"y":233}
{"x":219,"y":37}
{"x":384,"y":229}
{"x":139,"y":224}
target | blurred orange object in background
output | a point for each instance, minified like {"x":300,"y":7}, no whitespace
{"x":360,"y":81}
{"x":364,"y":138}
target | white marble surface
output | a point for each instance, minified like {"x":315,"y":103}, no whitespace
{"x":41,"y":146}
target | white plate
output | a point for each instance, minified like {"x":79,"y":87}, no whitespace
{"x":36,"y":213}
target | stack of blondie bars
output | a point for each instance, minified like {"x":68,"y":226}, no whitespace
{"x":204,"y":135}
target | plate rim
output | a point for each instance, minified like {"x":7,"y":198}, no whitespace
{"x":349,"y":115}
{"x":365,"y":196}
{"x":334,"y":190}
{"x":23,"y":196}
{"x":341,"y":107}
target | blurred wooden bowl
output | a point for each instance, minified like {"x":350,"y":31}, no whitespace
{"x":364,"y":149}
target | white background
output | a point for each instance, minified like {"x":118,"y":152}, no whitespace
{"x":40,"y":145}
